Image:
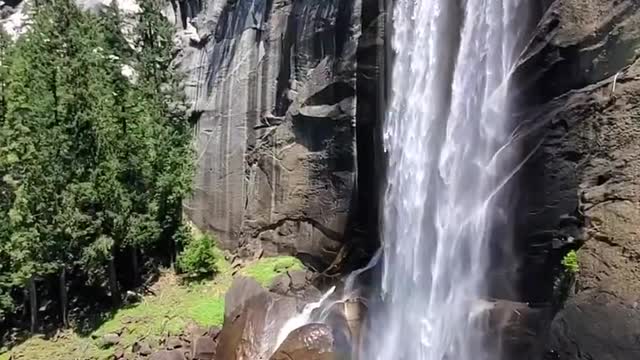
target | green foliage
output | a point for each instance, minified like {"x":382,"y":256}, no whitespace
{"x":570,"y":262}
{"x":91,"y":163}
{"x":199,"y":256}
{"x":264,"y":270}
{"x":174,"y":306}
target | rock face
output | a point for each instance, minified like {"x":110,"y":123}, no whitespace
{"x":273,"y":86}
{"x":252,"y":319}
{"x":581,"y":81}
{"x":310,"y":342}
{"x":597,"y":325}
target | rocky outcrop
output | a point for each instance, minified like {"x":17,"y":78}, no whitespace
{"x":273,"y":87}
{"x":310,"y":342}
{"x":581,"y":79}
{"x":253,"y":317}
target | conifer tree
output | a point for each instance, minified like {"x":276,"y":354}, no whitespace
{"x":6,"y":283}
{"x":162,"y":90}
{"x":93,"y":164}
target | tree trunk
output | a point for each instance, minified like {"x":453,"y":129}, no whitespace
{"x":33,"y":304}
{"x":113,"y":280}
{"x":63,"y":297}
{"x":134,"y":266}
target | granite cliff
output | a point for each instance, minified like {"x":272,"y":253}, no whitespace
{"x":286,"y":95}
{"x":580,"y":78}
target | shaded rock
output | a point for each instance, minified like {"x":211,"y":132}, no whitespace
{"x":167,"y":355}
{"x":597,"y":325}
{"x":581,"y":77}
{"x":577,"y":44}
{"x":310,"y":342}
{"x":515,"y":329}
{"x":241,"y":291}
{"x":203,"y":348}
{"x":582,"y":135}
{"x":252,"y":322}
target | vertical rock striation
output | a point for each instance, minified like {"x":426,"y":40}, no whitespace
{"x":273,"y":87}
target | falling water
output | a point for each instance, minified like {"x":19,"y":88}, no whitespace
{"x":446,"y":136}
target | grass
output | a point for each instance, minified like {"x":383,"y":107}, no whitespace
{"x":173,"y":306}
{"x":264,"y":270}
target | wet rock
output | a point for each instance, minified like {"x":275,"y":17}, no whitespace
{"x":204,"y":348}
{"x":515,"y":329}
{"x":310,"y":342}
{"x":252,"y":318}
{"x":582,"y":81}
{"x":597,"y":325}
{"x":167,"y":355}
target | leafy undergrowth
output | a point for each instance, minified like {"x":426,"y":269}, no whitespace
{"x":170,"y":307}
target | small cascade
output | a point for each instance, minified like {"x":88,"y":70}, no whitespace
{"x":302,"y":318}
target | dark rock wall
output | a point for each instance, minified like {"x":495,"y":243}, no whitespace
{"x":581,"y":186}
{"x":275,"y":87}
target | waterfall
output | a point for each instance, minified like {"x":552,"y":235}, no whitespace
{"x":447,"y":136}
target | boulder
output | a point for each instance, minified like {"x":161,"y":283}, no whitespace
{"x":109,"y":340}
{"x":203,"y":348}
{"x":253,"y":317}
{"x":167,"y":355}
{"x":310,"y":342}
{"x":142,"y":348}
{"x":173,"y":343}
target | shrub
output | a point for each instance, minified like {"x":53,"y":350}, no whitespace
{"x":198,"y":257}
{"x":570,"y":262}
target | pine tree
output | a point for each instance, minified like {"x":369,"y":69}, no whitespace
{"x":163,"y":93}
{"x":93,"y":165}
{"x":6,"y":281}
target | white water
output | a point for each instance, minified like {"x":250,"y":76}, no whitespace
{"x":446,"y":137}
{"x":302,"y":318}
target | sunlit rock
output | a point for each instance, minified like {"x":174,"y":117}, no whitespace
{"x":310,"y":342}
{"x":252,"y":319}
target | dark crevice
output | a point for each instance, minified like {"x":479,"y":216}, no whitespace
{"x":331,"y":234}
